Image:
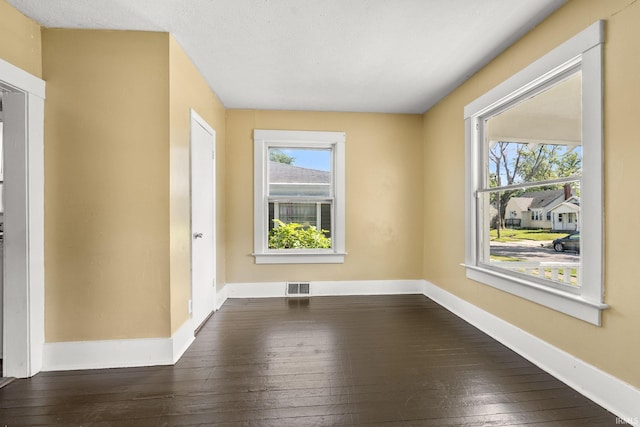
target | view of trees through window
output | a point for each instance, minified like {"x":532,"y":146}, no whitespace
{"x":531,"y":196}
{"x":300,"y":198}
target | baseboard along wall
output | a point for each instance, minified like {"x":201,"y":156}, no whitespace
{"x":608,"y":391}
{"x":128,"y":353}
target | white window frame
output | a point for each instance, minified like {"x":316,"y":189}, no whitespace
{"x":263,"y":140}
{"x":584,"y":51}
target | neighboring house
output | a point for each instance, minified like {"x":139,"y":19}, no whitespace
{"x":534,"y":210}
{"x":565,"y":216}
{"x":285,"y":179}
{"x":516,"y":211}
{"x":293,"y":191}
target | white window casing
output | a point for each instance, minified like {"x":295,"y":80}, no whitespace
{"x":584,"y":52}
{"x":265,"y":139}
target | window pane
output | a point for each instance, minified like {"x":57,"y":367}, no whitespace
{"x":534,"y":233}
{"x":300,"y":213}
{"x":537,"y":139}
{"x":325,"y":218}
{"x":299,"y":172}
{"x":300,"y":221}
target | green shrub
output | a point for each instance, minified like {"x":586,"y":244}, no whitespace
{"x":297,"y":236}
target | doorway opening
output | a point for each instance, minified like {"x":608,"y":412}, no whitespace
{"x":2,"y":380}
{"x":23,"y":221}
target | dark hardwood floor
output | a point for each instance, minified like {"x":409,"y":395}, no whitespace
{"x":324,"y":361}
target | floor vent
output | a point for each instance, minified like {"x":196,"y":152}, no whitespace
{"x":298,"y":289}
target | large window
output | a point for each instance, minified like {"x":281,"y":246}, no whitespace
{"x":299,"y":196}
{"x":534,"y":181}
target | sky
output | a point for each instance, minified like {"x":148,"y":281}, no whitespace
{"x":310,"y":158}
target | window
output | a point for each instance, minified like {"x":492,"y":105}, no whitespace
{"x":299,"y":197}
{"x":536,"y":215}
{"x":535,"y":142}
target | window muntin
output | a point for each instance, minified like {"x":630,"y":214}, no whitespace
{"x":299,"y":182}
{"x":582,"y":295}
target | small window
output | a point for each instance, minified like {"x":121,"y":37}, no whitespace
{"x":535,"y":141}
{"x":299,"y":197}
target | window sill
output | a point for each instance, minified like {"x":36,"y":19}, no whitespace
{"x":564,"y":302}
{"x":300,"y":258}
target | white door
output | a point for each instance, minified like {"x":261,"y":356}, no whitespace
{"x":203,"y":238}
{"x":1,"y":242}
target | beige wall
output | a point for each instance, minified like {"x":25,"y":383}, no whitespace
{"x":106,"y":184}
{"x":20,"y":40}
{"x":383,"y":187}
{"x":614,"y":346}
{"x":188,"y":89}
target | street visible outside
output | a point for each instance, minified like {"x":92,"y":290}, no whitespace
{"x":531,"y":250}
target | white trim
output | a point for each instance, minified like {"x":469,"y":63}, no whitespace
{"x":606,"y":390}
{"x":207,"y":293}
{"x":568,"y":303}
{"x":327,"y":288}
{"x":21,"y":80}
{"x":583,"y":52}
{"x":67,"y":356}
{"x":182,"y":340}
{"x":561,"y":55}
{"x":300,"y":258}
{"x":24,"y":239}
{"x":222,"y":296}
{"x":285,"y":138}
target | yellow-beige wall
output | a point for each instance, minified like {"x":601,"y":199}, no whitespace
{"x":20,"y":40}
{"x":383,"y":195}
{"x":188,"y":90}
{"x":117,"y":183}
{"x":614,"y":346}
{"x":106,"y":184}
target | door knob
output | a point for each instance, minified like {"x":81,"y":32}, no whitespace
{"x":197,"y":235}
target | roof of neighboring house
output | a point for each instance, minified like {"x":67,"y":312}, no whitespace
{"x":288,"y":174}
{"x":545,"y":198}
{"x":536,"y":199}
{"x":572,"y":204}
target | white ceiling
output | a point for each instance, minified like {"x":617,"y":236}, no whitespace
{"x":395,"y":56}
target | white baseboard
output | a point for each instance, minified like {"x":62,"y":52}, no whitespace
{"x":606,"y":390}
{"x":222,"y":296}
{"x":610,"y":392}
{"x":182,"y":339}
{"x":66,"y":356}
{"x":327,"y":288}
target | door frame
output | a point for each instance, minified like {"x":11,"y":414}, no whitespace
{"x":23,"y":282}
{"x":196,"y":119}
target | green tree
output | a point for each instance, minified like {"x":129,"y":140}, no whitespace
{"x":280,"y":157}
{"x":517,"y":162}
{"x":297,"y":236}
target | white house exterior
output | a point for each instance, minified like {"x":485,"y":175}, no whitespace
{"x":548,"y":209}
{"x":566,"y":215}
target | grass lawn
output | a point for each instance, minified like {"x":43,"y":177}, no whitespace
{"x":511,"y":235}
{"x":505,"y":258}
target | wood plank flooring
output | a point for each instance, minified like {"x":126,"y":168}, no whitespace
{"x":323,"y":361}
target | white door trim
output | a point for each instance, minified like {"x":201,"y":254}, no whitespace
{"x":23,"y":309}
{"x":210,"y":293}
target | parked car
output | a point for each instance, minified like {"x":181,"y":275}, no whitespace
{"x":570,"y":242}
